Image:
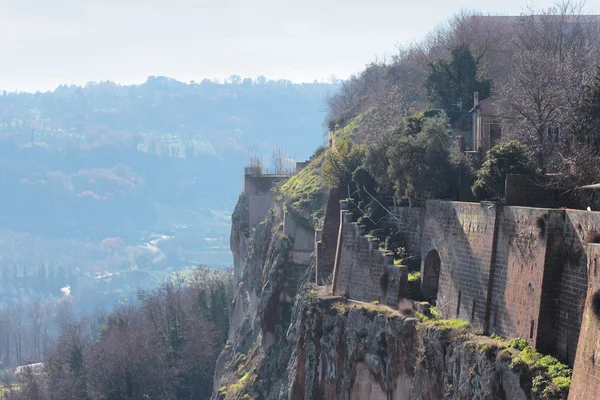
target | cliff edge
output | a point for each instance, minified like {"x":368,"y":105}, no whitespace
{"x":291,"y":339}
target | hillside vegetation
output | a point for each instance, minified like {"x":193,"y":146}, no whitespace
{"x":306,"y":191}
{"x":540,"y":72}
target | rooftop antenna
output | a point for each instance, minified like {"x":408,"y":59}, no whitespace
{"x":459,"y":105}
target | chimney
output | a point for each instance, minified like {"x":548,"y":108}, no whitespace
{"x":475,"y":99}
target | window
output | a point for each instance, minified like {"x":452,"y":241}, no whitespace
{"x":531,"y":329}
{"x":492,"y":133}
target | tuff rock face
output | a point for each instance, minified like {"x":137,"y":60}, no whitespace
{"x":349,"y":350}
{"x":325,"y":347}
{"x":260,"y":313}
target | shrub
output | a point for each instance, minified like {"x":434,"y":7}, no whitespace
{"x":413,"y":123}
{"x":400,"y":254}
{"x":554,"y":368}
{"x":414,"y":276}
{"x":559,"y":388}
{"x":518,"y":343}
{"x":506,"y":158}
{"x":335,"y":123}
{"x":455,"y":79}
{"x":341,"y":163}
{"x":551,"y":379}
{"x":320,"y":150}
{"x":530,"y":356}
{"x":425,"y":166}
{"x":454,"y":324}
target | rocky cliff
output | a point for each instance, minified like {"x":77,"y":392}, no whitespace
{"x":312,"y":345}
{"x":257,"y":351}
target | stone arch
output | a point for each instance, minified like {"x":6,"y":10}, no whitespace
{"x":430,"y":275}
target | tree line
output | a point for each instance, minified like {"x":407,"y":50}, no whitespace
{"x":163,"y":347}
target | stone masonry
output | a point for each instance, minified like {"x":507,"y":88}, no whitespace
{"x":364,"y":272}
{"x":326,"y":239}
{"x":462,"y":235}
{"x":514,"y":271}
{"x":585,"y":383}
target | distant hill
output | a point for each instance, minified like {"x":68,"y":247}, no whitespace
{"x":82,"y":164}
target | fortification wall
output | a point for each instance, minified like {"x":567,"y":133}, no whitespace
{"x":536,"y":191}
{"x":363,"y":272}
{"x":585,"y":382}
{"x":408,"y":221}
{"x":258,"y":192}
{"x":260,"y":200}
{"x":552,"y":227}
{"x":462,"y":235}
{"x":513,"y":271}
{"x":326,"y":242}
{"x":580,"y":227}
{"x":524,"y":190}
{"x":518,"y":271}
{"x":303,"y":237}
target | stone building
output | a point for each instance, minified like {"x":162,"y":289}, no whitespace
{"x":487,"y":129}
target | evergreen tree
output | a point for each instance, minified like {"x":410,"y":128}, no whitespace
{"x":451,"y":83}
{"x":423,"y":166}
{"x":506,"y":158}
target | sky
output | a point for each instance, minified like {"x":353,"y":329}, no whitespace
{"x":45,"y":43}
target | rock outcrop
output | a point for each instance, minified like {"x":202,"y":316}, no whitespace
{"x":352,"y":350}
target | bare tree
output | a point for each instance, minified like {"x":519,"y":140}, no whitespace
{"x":488,"y":37}
{"x":559,"y":30}
{"x":255,"y":160}
{"x":346,"y":103}
{"x":282,"y":163}
{"x":532,"y":101}
{"x":406,"y":75}
{"x":578,"y":168}
{"x":36,"y":317}
{"x":554,"y":59}
{"x":17,"y":315}
{"x":383,"y":94}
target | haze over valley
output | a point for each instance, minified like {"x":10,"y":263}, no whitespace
{"x":122,"y":184}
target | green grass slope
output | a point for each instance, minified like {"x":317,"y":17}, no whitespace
{"x":306,"y":192}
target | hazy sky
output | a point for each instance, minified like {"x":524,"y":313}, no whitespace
{"x":44,"y":43}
